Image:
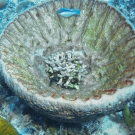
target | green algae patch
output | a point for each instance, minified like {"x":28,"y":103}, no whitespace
{"x":127,"y":116}
{"x":6,"y":128}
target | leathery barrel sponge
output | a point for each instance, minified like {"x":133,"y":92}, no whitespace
{"x":70,"y":69}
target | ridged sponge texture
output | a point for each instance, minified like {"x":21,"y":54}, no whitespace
{"x":101,"y":37}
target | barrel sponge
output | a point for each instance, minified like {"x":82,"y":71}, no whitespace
{"x":70,"y":69}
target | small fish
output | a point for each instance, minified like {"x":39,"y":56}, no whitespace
{"x":67,"y":12}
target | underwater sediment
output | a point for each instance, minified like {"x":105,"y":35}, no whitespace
{"x":70,"y":69}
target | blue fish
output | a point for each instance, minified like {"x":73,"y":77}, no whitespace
{"x":67,"y":12}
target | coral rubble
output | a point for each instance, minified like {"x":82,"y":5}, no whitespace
{"x":66,"y":68}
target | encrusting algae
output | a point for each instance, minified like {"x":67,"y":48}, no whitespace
{"x":6,"y":128}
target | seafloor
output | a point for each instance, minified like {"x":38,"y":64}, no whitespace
{"x":28,"y":122}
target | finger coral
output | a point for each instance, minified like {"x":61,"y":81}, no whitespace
{"x":70,"y":69}
{"x":66,"y":69}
